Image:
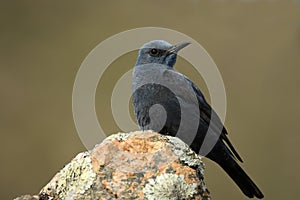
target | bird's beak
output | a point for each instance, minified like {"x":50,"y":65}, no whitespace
{"x":177,"y":47}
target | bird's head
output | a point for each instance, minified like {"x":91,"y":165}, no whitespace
{"x":159,"y":52}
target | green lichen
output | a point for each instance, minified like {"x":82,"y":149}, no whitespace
{"x":76,"y":177}
{"x":169,"y":187}
{"x":117,"y":136}
{"x":186,"y":155}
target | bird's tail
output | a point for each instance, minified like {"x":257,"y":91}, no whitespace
{"x":240,"y":177}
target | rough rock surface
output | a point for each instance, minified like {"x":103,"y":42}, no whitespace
{"x":136,"y":165}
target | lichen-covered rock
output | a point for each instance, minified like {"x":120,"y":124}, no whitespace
{"x":136,"y":165}
{"x":75,"y":178}
{"x":28,"y":197}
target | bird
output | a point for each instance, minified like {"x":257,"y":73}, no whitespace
{"x":161,"y":96}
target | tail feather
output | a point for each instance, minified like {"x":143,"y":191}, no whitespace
{"x":240,"y":177}
{"x":222,"y":155}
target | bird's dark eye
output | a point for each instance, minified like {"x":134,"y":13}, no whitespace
{"x":154,"y":52}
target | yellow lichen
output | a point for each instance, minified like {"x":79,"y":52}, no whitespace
{"x":169,"y":187}
{"x":76,"y":177}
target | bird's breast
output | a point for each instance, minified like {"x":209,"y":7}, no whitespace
{"x":169,"y":89}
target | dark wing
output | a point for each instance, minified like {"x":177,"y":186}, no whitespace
{"x":206,"y":113}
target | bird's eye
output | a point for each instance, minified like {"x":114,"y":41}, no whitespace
{"x":154,"y":52}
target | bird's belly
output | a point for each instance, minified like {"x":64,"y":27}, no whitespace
{"x":158,"y":108}
{"x":178,"y":111}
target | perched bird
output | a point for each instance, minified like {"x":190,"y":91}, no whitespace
{"x":185,"y":114}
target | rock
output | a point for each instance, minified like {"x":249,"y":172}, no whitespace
{"x":28,"y":197}
{"x":136,"y":165}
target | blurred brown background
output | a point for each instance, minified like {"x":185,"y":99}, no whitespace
{"x":256,"y":45}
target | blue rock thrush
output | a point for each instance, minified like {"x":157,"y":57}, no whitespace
{"x":169,"y":103}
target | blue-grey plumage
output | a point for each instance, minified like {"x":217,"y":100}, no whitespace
{"x":168,"y":102}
